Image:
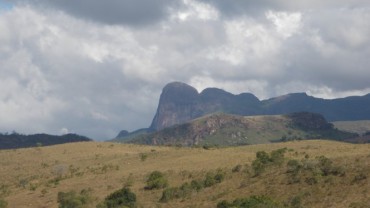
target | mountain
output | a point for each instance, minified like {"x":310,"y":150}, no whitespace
{"x":15,"y":140}
{"x":124,"y":135}
{"x":230,"y":130}
{"x":180,"y":103}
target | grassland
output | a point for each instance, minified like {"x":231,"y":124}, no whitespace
{"x":359,"y":127}
{"x":33,"y":177}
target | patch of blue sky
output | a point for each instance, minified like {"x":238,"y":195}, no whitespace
{"x":5,"y":5}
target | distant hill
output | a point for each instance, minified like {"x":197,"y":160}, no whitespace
{"x":230,"y":130}
{"x":361,"y":127}
{"x":124,"y":135}
{"x":15,"y":140}
{"x":180,"y":103}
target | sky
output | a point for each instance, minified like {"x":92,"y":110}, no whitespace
{"x":96,"y":67}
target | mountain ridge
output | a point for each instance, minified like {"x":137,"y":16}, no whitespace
{"x":180,"y":102}
{"x":15,"y":140}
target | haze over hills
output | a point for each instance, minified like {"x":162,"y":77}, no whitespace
{"x":180,"y":103}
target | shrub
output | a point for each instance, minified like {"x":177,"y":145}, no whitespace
{"x":213,"y":178}
{"x":237,"y":168}
{"x":325,"y":165}
{"x":197,"y":185}
{"x":143,"y":156}
{"x":4,"y":190}
{"x":120,"y":198}
{"x":359,"y":177}
{"x":258,"y":167}
{"x":156,"y":180}
{"x":294,"y":167}
{"x":209,"y":180}
{"x":253,"y":201}
{"x":3,"y":203}
{"x":73,"y":200}
{"x":176,"y":192}
{"x":296,"y":202}
{"x":263,"y":159}
{"x":169,"y":194}
{"x":277,"y":156}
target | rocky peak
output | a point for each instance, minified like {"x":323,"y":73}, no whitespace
{"x":176,"y":105}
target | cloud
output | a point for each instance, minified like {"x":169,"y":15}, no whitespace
{"x":113,"y":12}
{"x":74,"y":67}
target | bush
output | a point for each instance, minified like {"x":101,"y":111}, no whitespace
{"x":195,"y":185}
{"x":258,"y":167}
{"x":3,"y":203}
{"x":296,"y":202}
{"x":213,"y":178}
{"x":277,"y":156}
{"x":253,"y":201}
{"x":73,"y":200}
{"x":169,"y":194}
{"x":120,"y":198}
{"x":237,"y":168}
{"x":156,"y":180}
{"x":143,"y":156}
{"x":176,"y":192}
{"x":294,"y":166}
{"x":263,"y":159}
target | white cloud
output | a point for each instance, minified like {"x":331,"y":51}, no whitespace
{"x":286,"y":24}
{"x":64,"y":131}
{"x":247,"y":41}
{"x":96,"y":75}
{"x":196,"y":10}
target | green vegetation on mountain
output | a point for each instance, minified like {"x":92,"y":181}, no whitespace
{"x":229,"y":130}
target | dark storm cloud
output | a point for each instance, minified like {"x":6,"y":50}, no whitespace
{"x":252,"y":7}
{"x":126,"y":12}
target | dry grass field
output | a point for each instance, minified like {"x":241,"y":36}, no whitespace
{"x":33,"y":177}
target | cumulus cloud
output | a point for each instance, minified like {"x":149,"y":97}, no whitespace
{"x":95,"y":68}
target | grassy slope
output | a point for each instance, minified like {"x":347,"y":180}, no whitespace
{"x":261,"y":129}
{"x":359,"y":127}
{"x":232,"y":130}
{"x":105,"y":167}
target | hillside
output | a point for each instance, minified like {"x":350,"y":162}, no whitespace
{"x":358,"y":127}
{"x":32,"y":177}
{"x":180,"y":103}
{"x":230,"y":130}
{"x":15,"y":140}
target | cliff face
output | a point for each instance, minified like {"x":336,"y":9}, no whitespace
{"x":180,"y":103}
{"x":176,"y":105}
